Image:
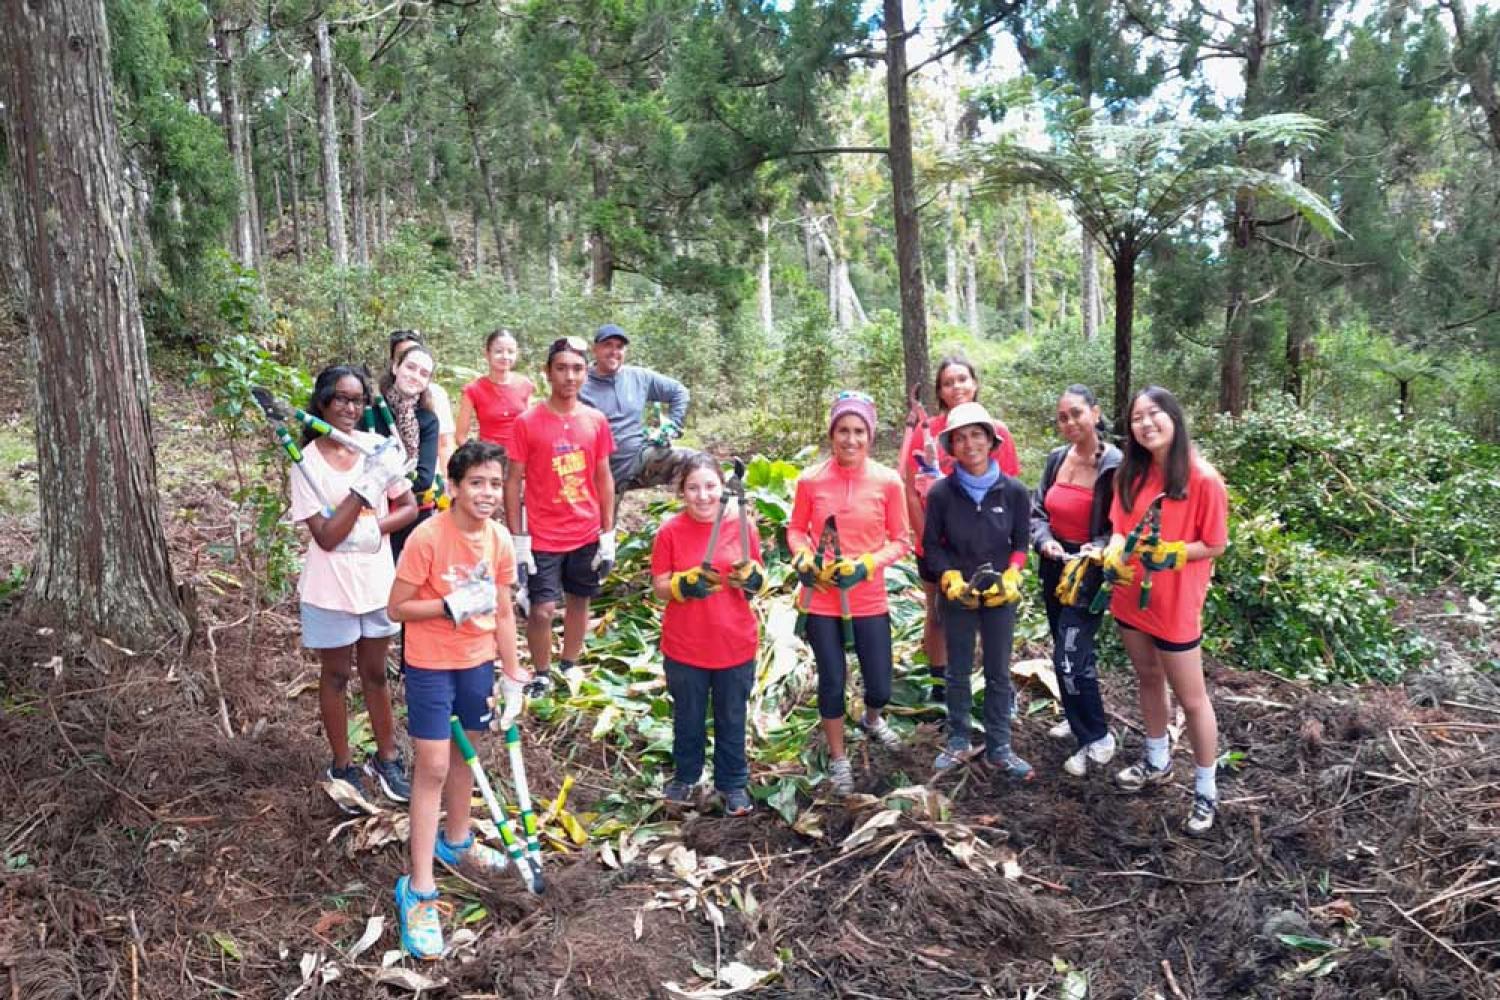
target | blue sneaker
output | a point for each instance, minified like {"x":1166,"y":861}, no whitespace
{"x":390,"y":775}
{"x":1008,"y":763}
{"x":421,"y":925}
{"x":480,"y":856}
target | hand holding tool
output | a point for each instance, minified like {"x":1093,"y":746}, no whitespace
{"x":604,"y":555}
{"x":529,"y":869}
{"x":1116,"y":558}
{"x":748,"y":576}
{"x":849,"y":573}
{"x":473,"y":594}
{"x":957,"y":589}
{"x":694,"y":584}
{"x":846,"y":620}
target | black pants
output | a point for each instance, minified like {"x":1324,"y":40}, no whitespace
{"x":1073,"y":631}
{"x":872,"y":644}
{"x":692,"y":689}
{"x":996,"y":628}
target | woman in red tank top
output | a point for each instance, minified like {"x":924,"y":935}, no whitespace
{"x":498,"y":397}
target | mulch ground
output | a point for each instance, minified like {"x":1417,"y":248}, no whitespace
{"x":148,"y":853}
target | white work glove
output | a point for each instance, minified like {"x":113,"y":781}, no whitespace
{"x":363,"y":537}
{"x":604,"y":556}
{"x":513,"y":692}
{"x":473,"y":593}
{"x":523,"y":552}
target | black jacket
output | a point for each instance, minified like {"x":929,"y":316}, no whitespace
{"x":961,"y":534}
{"x":1099,"y":529}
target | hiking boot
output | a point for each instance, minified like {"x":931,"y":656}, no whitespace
{"x":1102,"y":750}
{"x":354,"y":777}
{"x":390,"y":776}
{"x":679,"y":794}
{"x":1138,"y":776}
{"x":419,"y":921}
{"x":479,"y":856}
{"x":737,"y":802}
{"x":1201,"y":819}
{"x":958,"y":751}
{"x":841,"y":777}
{"x":1009,"y":764}
{"x":881,"y":731}
{"x":1061,"y":731}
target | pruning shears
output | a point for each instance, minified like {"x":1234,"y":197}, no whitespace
{"x":829,"y":537}
{"x":276,"y":417}
{"x":983,"y":579}
{"x":1151,"y":520}
{"x":846,"y":620}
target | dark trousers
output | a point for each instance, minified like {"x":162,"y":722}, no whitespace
{"x":872,"y":644}
{"x":692,"y":690}
{"x":996,"y":629}
{"x":1073,"y":658}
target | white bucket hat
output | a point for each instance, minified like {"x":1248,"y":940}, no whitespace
{"x":964,"y":415}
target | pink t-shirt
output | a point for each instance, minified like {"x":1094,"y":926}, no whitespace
{"x":356,"y":582}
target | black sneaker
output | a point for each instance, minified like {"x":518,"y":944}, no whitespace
{"x":679,"y":796}
{"x":354,"y":777}
{"x":1201,"y":819}
{"x":390,"y":775}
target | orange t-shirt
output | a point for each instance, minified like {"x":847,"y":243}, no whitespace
{"x":869,"y":510}
{"x":1176,"y":610}
{"x":437,"y":555}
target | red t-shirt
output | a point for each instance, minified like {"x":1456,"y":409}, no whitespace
{"x":1176,"y":610}
{"x":561,"y":455}
{"x":437,"y":555}
{"x":719,"y":630}
{"x":915,"y":443}
{"x":498,"y":406}
{"x":869,"y":511}
{"x":1069,"y":507}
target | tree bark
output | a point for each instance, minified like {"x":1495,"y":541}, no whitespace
{"x":328,"y":138}
{"x":1002,"y":249}
{"x":763,"y":286}
{"x":1474,"y":62}
{"x":601,"y":254}
{"x":971,"y":282}
{"x":1089,"y":286}
{"x":950,"y":263}
{"x":904,"y":206}
{"x":242,"y":237}
{"x":291,"y":172}
{"x":1301,"y":327}
{"x":1028,"y":268}
{"x":478,"y":224}
{"x":101,"y":563}
{"x":809,"y":240}
{"x":359,"y":206}
{"x":554,"y":267}
{"x":1124,"y":258}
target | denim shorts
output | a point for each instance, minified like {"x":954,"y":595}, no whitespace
{"x":435,"y":696}
{"x":325,"y":629}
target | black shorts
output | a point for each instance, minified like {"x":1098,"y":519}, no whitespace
{"x":1162,"y":644}
{"x":925,"y":570}
{"x":559,"y":573}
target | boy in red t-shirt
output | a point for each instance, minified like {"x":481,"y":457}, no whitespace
{"x":452,"y":590}
{"x":559,"y":453}
{"x":708,"y":634}
{"x":1164,"y":639}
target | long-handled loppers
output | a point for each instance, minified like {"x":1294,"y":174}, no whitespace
{"x":528,"y":865}
{"x":1132,"y":540}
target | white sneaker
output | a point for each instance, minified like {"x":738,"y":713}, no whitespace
{"x":1061,"y":731}
{"x":1102,"y":751}
{"x":574,"y":677}
{"x":1078,"y":764}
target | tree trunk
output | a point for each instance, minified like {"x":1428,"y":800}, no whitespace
{"x":554,"y":267}
{"x":904,"y":206}
{"x":328,"y":138}
{"x":1301,"y":326}
{"x":280,"y":201}
{"x":383,"y":218}
{"x":809,"y":240}
{"x":1002,"y":248}
{"x":971,"y":282}
{"x":1088,"y":296}
{"x":101,"y":560}
{"x":950,"y":263}
{"x":291,"y":172}
{"x":763,"y":286}
{"x":601,"y":255}
{"x":1124,"y":258}
{"x":1474,"y":61}
{"x":15,"y":283}
{"x":478,"y":224}
{"x":1028,"y":268}
{"x":409,"y":192}
{"x":242,"y":236}
{"x":359,"y":208}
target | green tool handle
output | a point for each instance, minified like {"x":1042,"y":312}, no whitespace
{"x":461,"y":738}
{"x":523,"y":791}
{"x":846,"y":621}
{"x":295,"y":454}
{"x":323,"y":427}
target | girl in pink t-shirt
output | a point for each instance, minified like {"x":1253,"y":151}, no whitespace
{"x":347,"y":574}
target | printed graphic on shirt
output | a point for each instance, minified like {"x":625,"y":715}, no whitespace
{"x":569,"y":463}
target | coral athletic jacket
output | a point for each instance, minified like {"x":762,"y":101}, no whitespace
{"x":869,"y":508}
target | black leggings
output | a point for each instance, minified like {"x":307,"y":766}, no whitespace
{"x":872,"y":644}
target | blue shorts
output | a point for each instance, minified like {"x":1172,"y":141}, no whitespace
{"x":326,"y":629}
{"x":435,"y":696}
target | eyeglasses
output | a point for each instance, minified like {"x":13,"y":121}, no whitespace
{"x":340,"y":399}
{"x":854,"y":394}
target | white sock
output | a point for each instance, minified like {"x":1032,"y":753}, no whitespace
{"x":1205,"y":783}
{"x":1158,"y":751}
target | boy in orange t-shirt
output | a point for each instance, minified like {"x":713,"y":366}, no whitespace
{"x":452,"y":590}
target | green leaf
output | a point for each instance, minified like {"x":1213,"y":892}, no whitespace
{"x":227,"y":945}
{"x":1307,"y":943}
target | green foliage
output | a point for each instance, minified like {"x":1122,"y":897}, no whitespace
{"x":1280,"y":604}
{"x":1418,"y":495}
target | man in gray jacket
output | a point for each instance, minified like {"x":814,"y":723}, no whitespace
{"x":620,"y":391}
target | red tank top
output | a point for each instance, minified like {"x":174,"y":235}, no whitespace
{"x":1068,"y":509}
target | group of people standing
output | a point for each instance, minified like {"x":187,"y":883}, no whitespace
{"x":532,"y":504}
